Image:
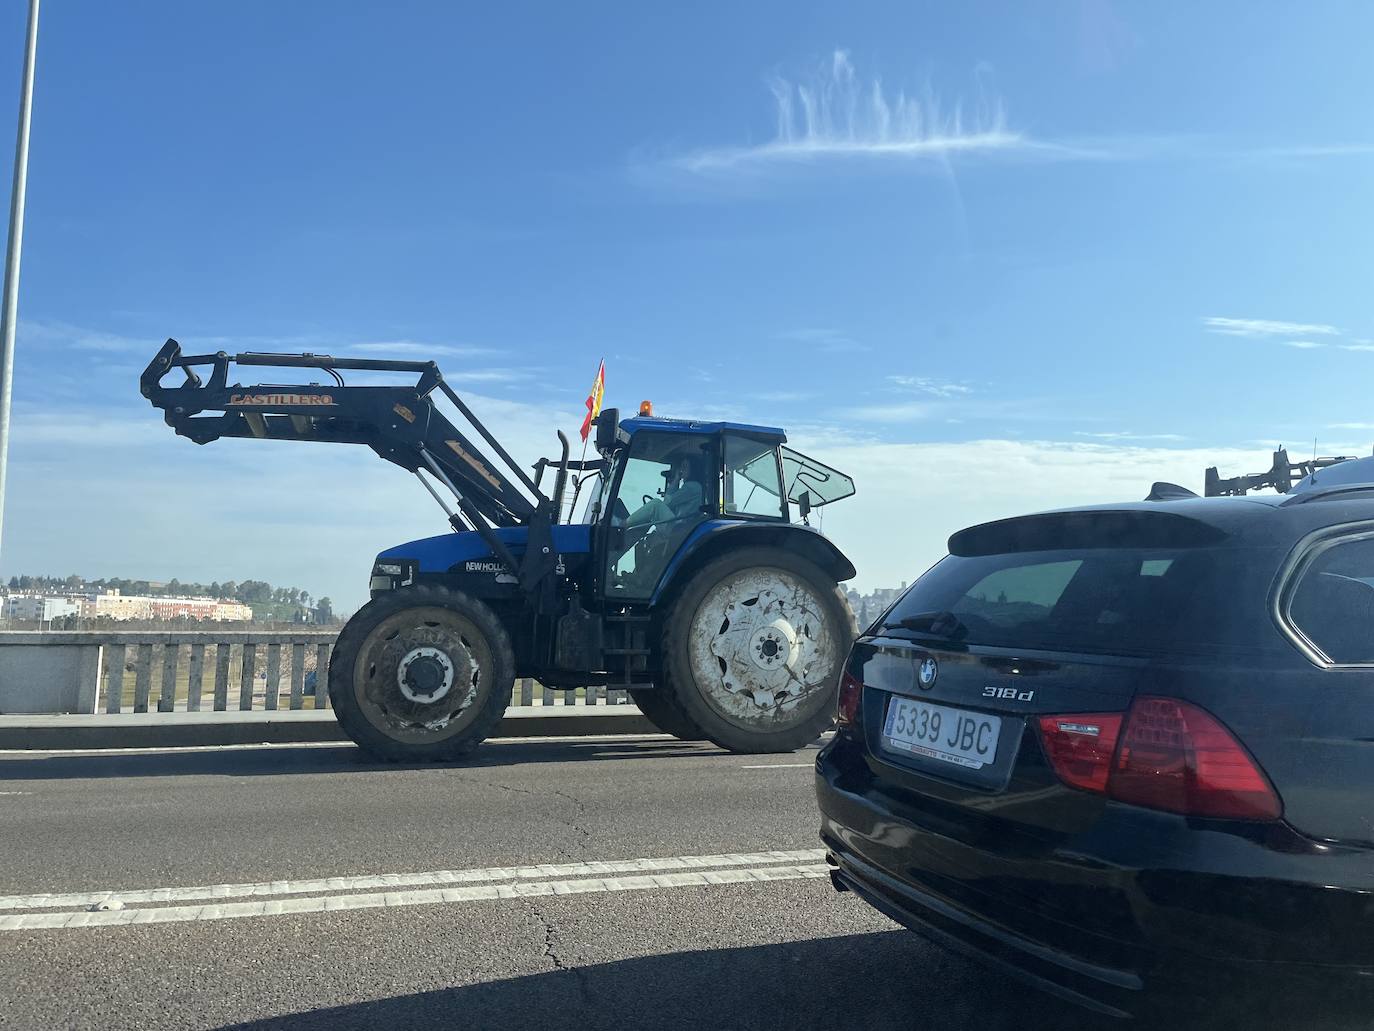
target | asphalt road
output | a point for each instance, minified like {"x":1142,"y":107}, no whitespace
{"x":518,"y":910}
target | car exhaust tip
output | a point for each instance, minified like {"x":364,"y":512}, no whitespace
{"x":835,"y":880}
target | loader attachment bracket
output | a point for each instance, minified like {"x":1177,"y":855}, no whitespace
{"x":1281,"y":475}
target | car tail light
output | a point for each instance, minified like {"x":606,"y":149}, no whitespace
{"x":851,"y":693}
{"x":1080,"y":748}
{"x":1177,"y":757}
{"x":1163,"y":754}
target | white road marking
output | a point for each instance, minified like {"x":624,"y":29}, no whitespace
{"x":408,"y":880}
{"x":16,"y":792}
{"x":174,"y":749}
{"x":779,"y":766}
{"x":171,"y":748}
{"x":424,"y":897}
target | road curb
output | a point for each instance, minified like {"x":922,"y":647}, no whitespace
{"x":176,"y":730}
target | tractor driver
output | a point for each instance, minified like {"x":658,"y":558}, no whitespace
{"x":683,"y":495}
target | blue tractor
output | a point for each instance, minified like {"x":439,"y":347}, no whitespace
{"x":669,"y":565}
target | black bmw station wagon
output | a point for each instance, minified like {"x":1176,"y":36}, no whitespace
{"x":1127,"y":752}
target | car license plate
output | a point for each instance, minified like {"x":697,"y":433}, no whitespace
{"x":967,"y":739}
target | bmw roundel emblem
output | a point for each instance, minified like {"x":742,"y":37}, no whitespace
{"x":926,"y":675}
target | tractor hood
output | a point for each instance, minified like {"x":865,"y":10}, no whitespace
{"x":440,"y":554}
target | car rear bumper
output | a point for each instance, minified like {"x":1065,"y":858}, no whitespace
{"x":1090,"y":985}
{"x":1182,"y":924}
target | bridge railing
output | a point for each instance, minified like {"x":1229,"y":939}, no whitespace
{"x":192,"y":670}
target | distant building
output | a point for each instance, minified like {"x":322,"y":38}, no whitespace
{"x":232,"y":610}
{"x":40,"y":608}
{"x":113,"y":605}
{"x":29,"y":607}
{"x":183,"y":608}
{"x":867,"y":607}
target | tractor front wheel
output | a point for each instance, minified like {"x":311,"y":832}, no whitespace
{"x":421,"y":674}
{"x":754,"y":647}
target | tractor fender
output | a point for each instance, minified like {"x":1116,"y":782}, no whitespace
{"x":718,"y":536}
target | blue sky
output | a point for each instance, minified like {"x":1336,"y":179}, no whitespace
{"x":989,"y":257}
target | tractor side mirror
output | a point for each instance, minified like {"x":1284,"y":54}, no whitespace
{"x":804,"y":505}
{"x":607,"y":429}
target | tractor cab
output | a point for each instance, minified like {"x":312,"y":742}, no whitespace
{"x":667,"y":481}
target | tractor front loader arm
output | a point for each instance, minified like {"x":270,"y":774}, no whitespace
{"x":400,"y":423}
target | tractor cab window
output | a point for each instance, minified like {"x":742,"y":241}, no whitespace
{"x":665,"y":488}
{"x":751,"y":481}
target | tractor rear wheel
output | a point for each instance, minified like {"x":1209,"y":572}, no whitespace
{"x":661,"y":709}
{"x":421,"y":674}
{"x":754,"y":647}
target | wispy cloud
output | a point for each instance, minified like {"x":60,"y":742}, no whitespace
{"x":834,"y":115}
{"x":933,"y":387}
{"x":1266,"y":327}
{"x":971,"y":408}
{"x":493,"y":376}
{"x":821,"y":339}
{"x":55,"y":333}
{"x":1357,"y":345}
{"x":418,"y":349}
{"x":1130,"y":436}
{"x":1303,"y":345}
{"x":1327,"y":150}
{"x":908,"y":411}
{"x":784,"y":396}
{"x":64,"y":334}
{"x":52,"y":334}
{"x":1351,"y":426}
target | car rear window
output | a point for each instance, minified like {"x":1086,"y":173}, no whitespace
{"x":1332,"y":603}
{"x":1113,"y":600}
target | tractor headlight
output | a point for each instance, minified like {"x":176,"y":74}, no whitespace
{"x":389,"y":575}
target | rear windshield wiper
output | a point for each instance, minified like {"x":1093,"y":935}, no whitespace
{"x":937,"y":624}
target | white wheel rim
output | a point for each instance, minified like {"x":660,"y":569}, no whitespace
{"x":441,"y":660}
{"x":761,"y":650}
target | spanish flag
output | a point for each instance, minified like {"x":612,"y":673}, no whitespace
{"x":594,"y":399}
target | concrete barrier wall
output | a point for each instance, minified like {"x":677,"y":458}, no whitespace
{"x":39,"y":678}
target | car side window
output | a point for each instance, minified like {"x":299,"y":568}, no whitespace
{"x":1332,"y":604}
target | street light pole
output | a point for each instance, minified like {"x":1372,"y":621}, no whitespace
{"x":9,"y":306}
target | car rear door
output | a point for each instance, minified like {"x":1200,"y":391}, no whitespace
{"x":1318,"y":744}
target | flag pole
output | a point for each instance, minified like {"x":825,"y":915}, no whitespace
{"x":600,"y":375}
